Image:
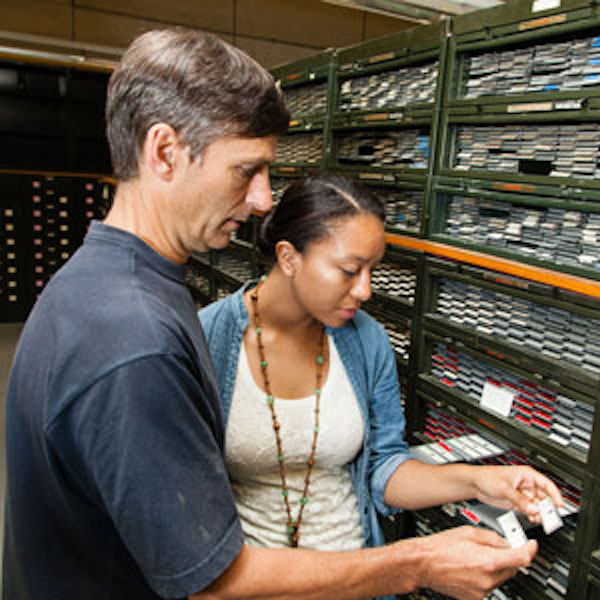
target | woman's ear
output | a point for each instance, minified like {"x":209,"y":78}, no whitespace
{"x":287,"y":257}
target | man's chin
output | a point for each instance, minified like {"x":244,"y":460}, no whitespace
{"x":218,"y":242}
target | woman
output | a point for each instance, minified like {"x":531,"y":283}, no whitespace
{"x":315,"y":431}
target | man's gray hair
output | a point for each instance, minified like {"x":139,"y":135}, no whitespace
{"x":195,"y":82}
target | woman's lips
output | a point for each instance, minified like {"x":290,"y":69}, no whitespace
{"x":348,"y":312}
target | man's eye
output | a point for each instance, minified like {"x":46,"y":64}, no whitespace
{"x":248,"y":172}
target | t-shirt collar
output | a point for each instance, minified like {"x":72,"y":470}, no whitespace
{"x":100,"y":232}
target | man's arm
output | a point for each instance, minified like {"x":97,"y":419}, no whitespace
{"x":465,"y":563}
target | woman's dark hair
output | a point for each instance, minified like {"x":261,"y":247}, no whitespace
{"x":309,"y":206}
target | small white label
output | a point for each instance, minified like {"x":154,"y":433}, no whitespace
{"x":569,"y":105}
{"x":512,"y":530}
{"x":568,"y":509}
{"x":496,"y":398}
{"x":540,"y":5}
{"x":551,"y":520}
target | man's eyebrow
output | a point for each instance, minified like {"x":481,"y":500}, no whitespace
{"x":253,"y":167}
{"x":256,"y":162}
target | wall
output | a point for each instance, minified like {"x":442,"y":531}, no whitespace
{"x":273,"y":31}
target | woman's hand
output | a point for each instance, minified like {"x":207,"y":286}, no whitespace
{"x":518,"y":488}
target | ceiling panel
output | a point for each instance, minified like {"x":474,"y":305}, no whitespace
{"x":418,"y":11}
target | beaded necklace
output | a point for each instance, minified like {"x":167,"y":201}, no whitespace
{"x":293,"y":527}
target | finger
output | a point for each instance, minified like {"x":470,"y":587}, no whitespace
{"x":528,"y":492}
{"x":540,"y":486}
{"x":487,"y":537}
{"x":523,"y":502}
{"x":514,"y":558}
{"x":531,"y":548}
{"x":502,"y":575}
{"x":550,"y":489}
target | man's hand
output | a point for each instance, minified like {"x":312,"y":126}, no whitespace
{"x":468,"y":562}
{"x":515,"y":488}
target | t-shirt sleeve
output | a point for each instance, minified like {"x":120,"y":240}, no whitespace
{"x":143,"y":444}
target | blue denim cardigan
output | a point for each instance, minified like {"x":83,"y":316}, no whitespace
{"x":369,"y":360}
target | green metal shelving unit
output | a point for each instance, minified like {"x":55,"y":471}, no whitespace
{"x":593,"y":578}
{"x":503,"y":115}
{"x":492,"y":353}
{"x":398,"y":60}
{"x":361,"y":101}
{"x":307,"y":87}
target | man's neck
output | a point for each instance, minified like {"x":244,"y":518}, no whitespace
{"x":138,"y":212}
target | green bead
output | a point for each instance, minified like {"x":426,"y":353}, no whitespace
{"x":263,"y":363}
{"x":291,"y":529}
{"x":284,"y":493}
{"x":270,"y":399}
{"x":263,"y":277}
{"x":316,"y":429}
{"x":280,"y":457}
{"x":304,"y":500}
{"x":320,"y":359}
{"x":318,"y":391}
{"x":258,"y":330}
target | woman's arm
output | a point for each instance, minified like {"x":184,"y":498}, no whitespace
{"x":416,"y":485}
{"x":411,"y":484}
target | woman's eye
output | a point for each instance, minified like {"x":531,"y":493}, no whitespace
{"x":349,"y":273}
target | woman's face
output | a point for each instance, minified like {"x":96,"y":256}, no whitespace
{"x":333,"y":275}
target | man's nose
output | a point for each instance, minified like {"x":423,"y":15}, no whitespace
{"x":259,"y":195}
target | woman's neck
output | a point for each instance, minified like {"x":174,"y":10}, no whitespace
{"x":279,"y":307}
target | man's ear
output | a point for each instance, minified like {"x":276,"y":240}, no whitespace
{"x":161,"y":150}
{"x":288,"y":258}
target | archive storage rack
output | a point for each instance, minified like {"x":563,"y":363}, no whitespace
{"x":307,"y":89}
{"x":593,"y":579}
{"x":520,"y":136}
{"x":459,"y":326}
{"x":43,"y":220}
{"x":384,"y":120}
{"x":53,"y":156}
{"x":514,"y":177}
{"x":215,"y":274}
{"x":394,"y":301}
{"x":481,"y":327}
{"x":306,"y":86}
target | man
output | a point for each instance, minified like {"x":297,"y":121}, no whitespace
{"x":116,"y":482}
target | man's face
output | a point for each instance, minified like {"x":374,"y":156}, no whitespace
{"x":220,"y":189}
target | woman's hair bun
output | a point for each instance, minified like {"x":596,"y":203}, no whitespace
{"x":264,"y":240}
{"x":309,"y":206}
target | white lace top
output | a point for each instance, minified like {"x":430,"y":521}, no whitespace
{"x":331,"y":520}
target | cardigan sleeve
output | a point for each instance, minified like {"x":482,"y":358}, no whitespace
{"x":223,"y":323}
{"x":389,"y":449}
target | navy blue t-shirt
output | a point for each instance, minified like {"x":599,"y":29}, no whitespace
{"x":117,"y":487}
